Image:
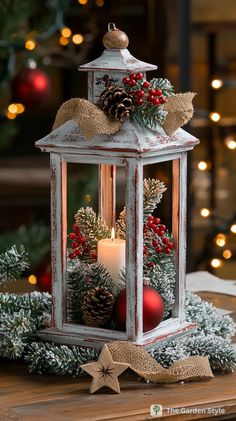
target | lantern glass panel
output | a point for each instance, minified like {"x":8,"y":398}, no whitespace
{"x":127,"y":285}
{"x":95,"y":250}
{"x":159,"y":246}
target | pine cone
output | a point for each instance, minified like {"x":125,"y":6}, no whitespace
{"x":116,"y":102}
{"x":97,"y":306}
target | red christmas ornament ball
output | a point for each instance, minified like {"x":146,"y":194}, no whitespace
{"x":31,"y":87}
{"x":153,"y":309}
{"x":44,"y":276}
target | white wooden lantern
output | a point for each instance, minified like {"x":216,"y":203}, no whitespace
{"x":133,"y":147}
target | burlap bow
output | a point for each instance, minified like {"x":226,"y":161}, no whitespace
{"x":93,"y":121}
{"x":189,"y":369}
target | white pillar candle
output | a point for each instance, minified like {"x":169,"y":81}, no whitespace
{"x":111,"y":254}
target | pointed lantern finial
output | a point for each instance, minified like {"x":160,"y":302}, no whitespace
{"x":114,"y":38}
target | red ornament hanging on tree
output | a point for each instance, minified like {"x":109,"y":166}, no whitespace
{"x":31,"y":87}
{"x":153,"y":309}
{"x":44,"y":276}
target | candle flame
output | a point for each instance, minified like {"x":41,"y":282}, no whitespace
{"x":112,"y":233}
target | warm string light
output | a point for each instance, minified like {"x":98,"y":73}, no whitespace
{"x":220,"y":240}
{"x":100,"y":3}
{"x":230,"y":142}
{"x":83,"y":2}
{"x":14,"y":109}
{"x":233,"y":228}
{"x":205,"y":212}
{"x":202,"y":165}
{"x":63,"y":41}
{"x":88,"y":198}
{"x":217,"y":83}
{"x":216,"y":263}
{"x":30,"y":44}
{"x":214,"y":116}
{"x":10,"y":116}
{"x":66,"y":32}
{"x":32,"y":279}
{"x":227,"y":254}
{"x":78,"y":39}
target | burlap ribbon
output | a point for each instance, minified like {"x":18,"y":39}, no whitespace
{"x":189,"y":369}
{"x":180,"y":111}
{"x":91,"y":119}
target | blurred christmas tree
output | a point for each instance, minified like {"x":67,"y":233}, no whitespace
{"x":35,"y":36}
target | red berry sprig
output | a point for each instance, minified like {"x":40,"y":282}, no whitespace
{"x":156,"y":240}
{"x":79,"y":244}
{"x":143,"y":94}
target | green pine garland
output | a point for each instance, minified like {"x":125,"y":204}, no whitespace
{"x":33,"y":309}
{"x":148,"y":114}
{"x":36,"y":240}
{"x":50,"y":358}
{"x":93,"y":229}
{"x":21,"y":317}
{"x":81,"y":278}
{"x":162,"y":279}
{"x":153,"y":190}
{"x":12,"y":264}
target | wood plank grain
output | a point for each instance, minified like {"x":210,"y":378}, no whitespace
{"x":30,"y":397}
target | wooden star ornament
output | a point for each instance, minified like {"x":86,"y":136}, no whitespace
{"x":105,"y":371}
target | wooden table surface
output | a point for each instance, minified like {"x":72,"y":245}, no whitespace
{"x":30,"y":397}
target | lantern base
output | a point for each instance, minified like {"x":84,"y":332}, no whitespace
{"x":149,"y":340}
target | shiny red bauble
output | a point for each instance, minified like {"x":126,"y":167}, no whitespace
{"x":44,"y":276}
{"x":153,"y":309}
{"x":31,"y":87}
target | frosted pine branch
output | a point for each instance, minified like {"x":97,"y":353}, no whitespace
{"x":83,"y":277}
{"x":153,"y":190}
{"x":12,"y":264}
{"x":92,"y":227}
{"x":163,"y":279}
{"x":50,"y":358}
{"x":149,"y":115}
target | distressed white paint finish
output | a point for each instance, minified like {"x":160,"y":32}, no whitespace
{"x":131,"y":140}
{"x":134,"y":249}
{"x":117,"y":60}
{"x":58,"y":240}
{"x":179,"y":231}
{"x":93,"y":341}
{"x":91,"y":159}
{"x":94,"y":332}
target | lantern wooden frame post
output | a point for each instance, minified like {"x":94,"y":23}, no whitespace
{"x":179,"y":209}
{"x":134,"y":249}
{"x":58,"y":238}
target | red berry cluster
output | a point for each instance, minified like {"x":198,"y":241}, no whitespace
{"x":79,"y":244}
{"x":151,"y":96}
{"x":156,"y":239}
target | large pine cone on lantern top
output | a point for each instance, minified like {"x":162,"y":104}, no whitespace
{"x":116,"y":102}
{"x":97,"y":306}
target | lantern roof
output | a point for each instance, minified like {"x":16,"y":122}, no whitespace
{"x":117,"y":60}
{"x":132,"y":140}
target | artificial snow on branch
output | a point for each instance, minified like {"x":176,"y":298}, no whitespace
{"x":13,"y":263}
{"x":83,"y":277}
{"x":153,"y":190}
